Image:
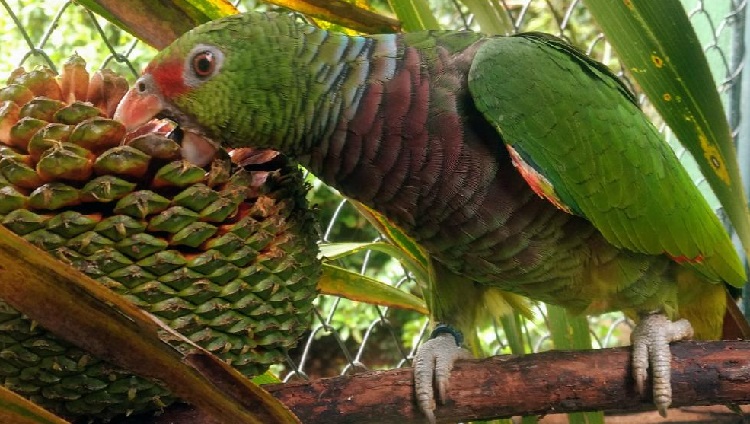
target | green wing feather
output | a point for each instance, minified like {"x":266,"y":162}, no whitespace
{"x":579,"y":128}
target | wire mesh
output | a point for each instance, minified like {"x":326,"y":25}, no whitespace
{"x":348,"y":337}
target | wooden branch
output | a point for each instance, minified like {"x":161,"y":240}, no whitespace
{"x":703,"y":373}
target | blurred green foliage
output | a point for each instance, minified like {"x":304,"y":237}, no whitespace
{"x":77,"y":31}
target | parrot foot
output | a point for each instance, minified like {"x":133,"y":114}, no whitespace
{"x":650,"y":340}
{"x":432,"y":366}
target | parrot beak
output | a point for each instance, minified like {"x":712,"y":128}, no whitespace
{"x":140,"y":106}
{"x":136,"y":108}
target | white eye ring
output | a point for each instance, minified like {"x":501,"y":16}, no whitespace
{"x":203,"y":62}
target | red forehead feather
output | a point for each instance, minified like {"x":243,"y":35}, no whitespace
{"x":168,"y":76}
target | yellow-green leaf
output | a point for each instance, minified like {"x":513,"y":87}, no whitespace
{"x":17,"y":410}
{"x":266,"y":378}
{"x":513,"y":332}
{"x":338,"y":250}
{"x":490,"y":16}
{"x":406,"y":244}
{"x":343,"y":13}
{"x":415,"y":15}
{"x":159,"y":22}
{"x":353,"y":286}
{"x":570,"y":331}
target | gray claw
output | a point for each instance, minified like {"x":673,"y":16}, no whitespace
{"x":650,"y":340}
{"x":432,"y":365}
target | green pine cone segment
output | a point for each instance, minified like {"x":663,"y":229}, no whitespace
{"x":224,"y":255}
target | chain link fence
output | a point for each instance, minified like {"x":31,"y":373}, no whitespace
{"x":347,"y":336}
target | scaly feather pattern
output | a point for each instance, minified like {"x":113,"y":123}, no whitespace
{"x":390,"y":120}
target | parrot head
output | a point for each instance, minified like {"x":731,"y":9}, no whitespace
{"x":221,"y":82}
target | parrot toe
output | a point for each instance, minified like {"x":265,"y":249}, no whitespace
{"x":432,"y":366}
{"x":650,"y":340}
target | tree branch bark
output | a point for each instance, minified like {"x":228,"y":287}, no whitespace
{"x":703,"y":373}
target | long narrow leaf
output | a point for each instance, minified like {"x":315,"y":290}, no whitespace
{"x":343,"y":13}
{"x":353,"y":286}
{"x":513,"y":332}
{"x":84,"y":312}
{"x":394,"y":234}
{"x":339,"y":250}
{"x":570,"y":331}
{"x":17,"y":410}
{"x":415,"y":15}
{"x":658,"y":45}
{"x":492,"y":18}
{"x":511,"y":324}
{"x":159,"y":22}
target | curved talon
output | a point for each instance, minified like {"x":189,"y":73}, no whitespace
{"x":432,"y":365}
{"x":650,"y":340}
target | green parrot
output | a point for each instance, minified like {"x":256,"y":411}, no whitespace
{"x":517,"y":162}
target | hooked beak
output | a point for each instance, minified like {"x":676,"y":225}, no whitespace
{"x":138,"y":107}
{"x":142,"y":105}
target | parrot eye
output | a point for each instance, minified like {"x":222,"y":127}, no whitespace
{"x":204,"y":64}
